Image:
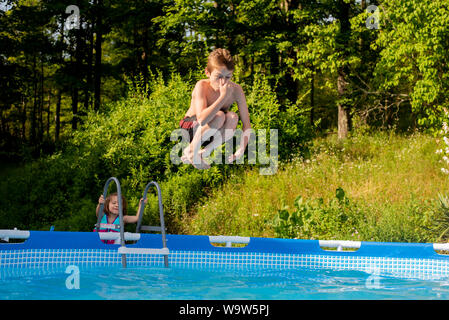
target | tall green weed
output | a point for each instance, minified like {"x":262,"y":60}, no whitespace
{"x":342,"y":218}
{"x":314,"y":219}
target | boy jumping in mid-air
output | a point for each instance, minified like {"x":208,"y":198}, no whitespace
{"x":208,"y":119}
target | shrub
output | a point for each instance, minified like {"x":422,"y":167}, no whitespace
{"x":442,"y":222}
{"x":292,"y":122}
{"x":314,"y":219}
{"x":344,"y":219}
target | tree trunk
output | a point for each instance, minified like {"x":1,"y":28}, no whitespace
{"x":98,"y":41}
{"x":312,"y":98}
{"x":76,"y":86}
{"x":74,"y":107}
{"x":48,"y":114}
{"x":343,"y":110}
{"x":145,"y":60}
{"x":24,"y":118}
{"x":88,"y":86}
{"x":33,"y":113}
{"x":59,"y":90}
{"x":58,"y":115}
{"x":41,"y":104}
{"x":342,"y":41}
{"x":343,"y":122}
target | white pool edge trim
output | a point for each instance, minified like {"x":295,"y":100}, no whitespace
{"x":126,"y":250}
{"x":340,"y":244}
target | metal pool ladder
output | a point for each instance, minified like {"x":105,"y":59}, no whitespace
{"x":123,"y":250}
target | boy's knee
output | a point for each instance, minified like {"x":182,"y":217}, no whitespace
{"x":220,"y":114}
{"x":219,"y":118}
{"x":232,"y":117}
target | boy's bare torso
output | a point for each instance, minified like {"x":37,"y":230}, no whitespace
{"x":212,"y":96}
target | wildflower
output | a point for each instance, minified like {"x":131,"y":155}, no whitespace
{"x":446,"y":140}
{"x":445,"y":127}
{"x":445,"y":171}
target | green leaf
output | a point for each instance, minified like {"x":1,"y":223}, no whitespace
{"x":340,"y":194}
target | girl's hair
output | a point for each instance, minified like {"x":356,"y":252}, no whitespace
{"x":220,"y":57}
{"x":108,"y":199}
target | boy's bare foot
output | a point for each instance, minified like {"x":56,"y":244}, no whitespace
{"x":187,"y":158}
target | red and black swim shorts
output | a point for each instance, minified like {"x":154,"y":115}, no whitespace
{"x":191,"y":124}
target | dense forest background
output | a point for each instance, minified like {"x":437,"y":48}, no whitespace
{"x":96,"y":93}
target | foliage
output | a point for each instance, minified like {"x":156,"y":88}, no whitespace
{"x":413,"y":64}
{"x":51,"y":77}
{"x":290,"y":58}
{"x":291,"y":121}
{"x":345,"y":219}
{"x":390,"y":180}
{"x":442,"y":223}
{"x":313,"y":219}
{"x":131,"y":141}
{"x":445,"y":148}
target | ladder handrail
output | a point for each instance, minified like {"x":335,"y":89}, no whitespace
{"x":120,"y":209}
{"x":161,"y":215}
{"x":161,"y":210}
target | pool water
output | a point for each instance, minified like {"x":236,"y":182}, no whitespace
{"x":136,"y":283}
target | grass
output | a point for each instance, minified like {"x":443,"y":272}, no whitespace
{"x":395,"y":180}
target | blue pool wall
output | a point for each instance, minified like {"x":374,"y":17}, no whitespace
{"x":48,"y":252}
{"x":91,"y":240}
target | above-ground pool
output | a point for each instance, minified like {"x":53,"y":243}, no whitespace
{"x":78,"y":265}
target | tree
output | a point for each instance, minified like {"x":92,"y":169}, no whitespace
{"x":413,"y":67}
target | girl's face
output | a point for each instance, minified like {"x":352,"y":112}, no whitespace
{"x":113,"y":205}
{"x":219,"y":76}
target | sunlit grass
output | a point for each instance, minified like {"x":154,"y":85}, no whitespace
{"x":388,"y":175}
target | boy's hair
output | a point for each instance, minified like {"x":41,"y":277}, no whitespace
{"x":108,"y":199}
{"x":220,"y":57}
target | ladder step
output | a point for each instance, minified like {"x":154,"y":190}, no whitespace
{"x":150,"y":228}
{"x":125,"y":250}
{"x":116,"y":236}
{"x":109,"y":226}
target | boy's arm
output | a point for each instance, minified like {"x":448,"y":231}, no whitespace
{"x":244,"y":116}
{"x":246,"y":124}
{"x":204,"y":113}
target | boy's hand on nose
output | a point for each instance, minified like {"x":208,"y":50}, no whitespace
{"x":224,"y":87}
